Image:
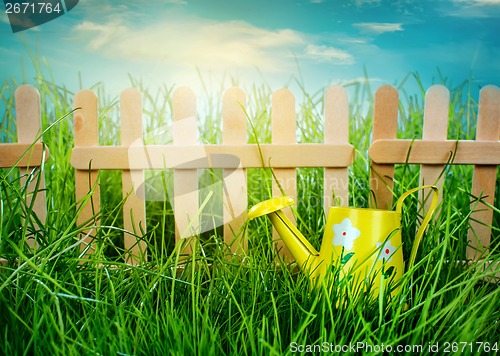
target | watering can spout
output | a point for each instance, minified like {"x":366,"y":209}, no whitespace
{"x":303,"y":252}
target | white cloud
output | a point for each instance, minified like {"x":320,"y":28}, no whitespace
{"x":103,"y":10}
{"x":360,"y":80}
{"x":355,"y":40}
{"x":378,"y":28}
{"x":328,"y":54}
{"x":478,"y":2}
{"x":360,"y":3}
{"x":175,"y":2}
{"x":100,"y":7}
{"x":194,"y":41}
{"x":473,"y":8}
{"x":104,"y":35}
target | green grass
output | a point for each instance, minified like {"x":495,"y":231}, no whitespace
{"x":217,"y":304}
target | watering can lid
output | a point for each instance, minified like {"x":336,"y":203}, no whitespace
{"x":269,"y":206}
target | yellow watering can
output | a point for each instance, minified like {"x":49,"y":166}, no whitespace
{"x":361,"y":242}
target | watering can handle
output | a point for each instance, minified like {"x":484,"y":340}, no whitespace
{"x":425,"y":222}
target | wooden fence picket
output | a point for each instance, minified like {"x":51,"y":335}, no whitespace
{"x":27,"y":154}
{"x":436,"y":107}
{"x":134,"y":208}
{"x":484,"y":179}
{"x":336,"y":116}
{"x":234,"y":180}
{"x":186,"y":197}
{"x":385,"y":126}
{"x":284,"y":132}
{"x":29,"y":126}
{"x":86,"y":181}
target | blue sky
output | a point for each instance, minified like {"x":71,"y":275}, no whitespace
{"x":324,"y":41}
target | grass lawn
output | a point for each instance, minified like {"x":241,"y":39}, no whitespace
{"x":219,"y":304}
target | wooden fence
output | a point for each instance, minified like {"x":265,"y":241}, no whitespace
{"x":185,"y":156}
{"x":434,"y":151}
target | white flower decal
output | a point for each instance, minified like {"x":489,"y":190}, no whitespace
{"x":345,"y":234}
{"x":386,"y":251}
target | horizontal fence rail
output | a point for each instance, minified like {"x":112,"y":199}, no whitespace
{"x":22,"y":155}
{"x":213,"y":156}
{"x":478,"y":153}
